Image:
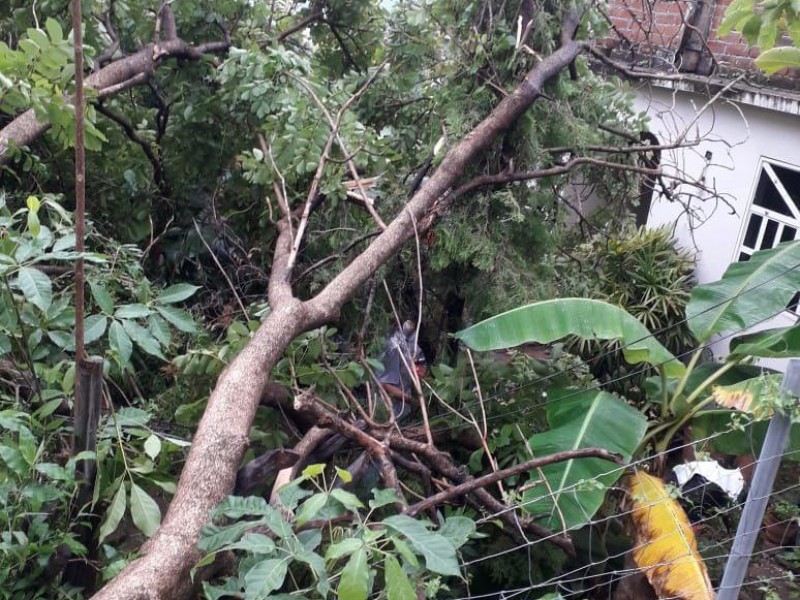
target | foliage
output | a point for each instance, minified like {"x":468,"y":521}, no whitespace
{"x":187,"y":177}
{"x":645,"y":273}
{"x":763,"y":24}
{"x":330,"y":534}
{"x":36,"y":493}
{"x":37,"y":340}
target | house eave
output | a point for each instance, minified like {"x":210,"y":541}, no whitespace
{"x":741,"y":92}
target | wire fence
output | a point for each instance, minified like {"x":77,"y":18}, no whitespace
{"x":773,"y":562}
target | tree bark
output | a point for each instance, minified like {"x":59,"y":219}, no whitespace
{"x":163,"y":569}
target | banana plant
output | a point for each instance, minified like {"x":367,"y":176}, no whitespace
{"x":712,"y":397}
{"x":748,"y":294}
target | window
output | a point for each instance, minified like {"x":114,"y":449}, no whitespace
{"x":774,"y":215}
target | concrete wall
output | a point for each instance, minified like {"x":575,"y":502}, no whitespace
{"x":735,"y":137}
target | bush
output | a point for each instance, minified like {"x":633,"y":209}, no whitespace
{"x":644,"y":272}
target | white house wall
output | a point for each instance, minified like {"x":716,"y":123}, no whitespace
{"x":737,"y":136}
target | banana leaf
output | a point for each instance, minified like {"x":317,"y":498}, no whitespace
{"x":665,"y":548}
{"x":748,"y":293}
{"x":783,"y":342}
{"x":552,"y":320}
{"x":572,"y":491}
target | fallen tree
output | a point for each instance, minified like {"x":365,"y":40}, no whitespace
{"x":471,"y":163}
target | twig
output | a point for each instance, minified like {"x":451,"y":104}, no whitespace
{"x":308,"y":401}
{"x":334,"y":124}
{"x":130,"y":131}
{"x":314,"y":15}
{"x":221,"y":270}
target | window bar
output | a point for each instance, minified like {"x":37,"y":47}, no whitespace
{"x":760,"y":237}
{"x":781,"y":190}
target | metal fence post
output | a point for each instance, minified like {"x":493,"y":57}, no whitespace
{"x":766,"y":469}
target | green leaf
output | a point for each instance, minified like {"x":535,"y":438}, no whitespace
{"x":13,"y":459}
{"x":144,"y":510}
{"x":179,"y":318}
{"x":102,"y":297}
{"x":94,"y":327}
{"x":575,"y":489}
{"x":344,"y":475}
{"x":33,"y":203}
{"x":343,"y":548}
{"x":439,"y":553}
{"x":383,"y":498}
{"x":405,"y":551}
{"x":265,"y":578}
{"x":114,"y":513}
{"x":256,"y":543}
{"x":349,"y":500}
{"x":457,"y":530}
{"x":33,"y":224}
{"x":36,"y":287}
{"x":160,"y":330}
{"x":62,"y":339}
{"x":398,"y":585}
{"x":778,"y":58}
{"x":310,"y":508}
{"x":27,"y":445}
{"x":53,"y":471}
{"x":143,"y":338}
{"x":552,"y":320}
{"x":736,"y":433}
{"x":748,"y":293}
{"x":354,"y":581}
{"x":132,"y":311}
{"x":120,"y":343}
{"x":54,"y":30}
{"x":312,"y":471}
{"x":235,"y":507}
{"x":177,"y":293}
{"x":152,"y":446}
{"x":772,"y":343}
{"x":214,"y":537}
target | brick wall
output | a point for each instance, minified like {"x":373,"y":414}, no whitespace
{"x":656,"y":28}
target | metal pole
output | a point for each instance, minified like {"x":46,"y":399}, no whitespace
{"x":766,"y":469}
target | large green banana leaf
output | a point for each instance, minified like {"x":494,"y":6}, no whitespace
{"x":747,"y":294}
{"x":773,"y":343}
{"x":552,"y":320}
{"x":575,"y":489}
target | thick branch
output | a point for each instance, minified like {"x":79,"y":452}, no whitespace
{"x":109,"y":80}
{"x":487,"y":480}
{"x":325,"y":306}
{"x":442,"y":463}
